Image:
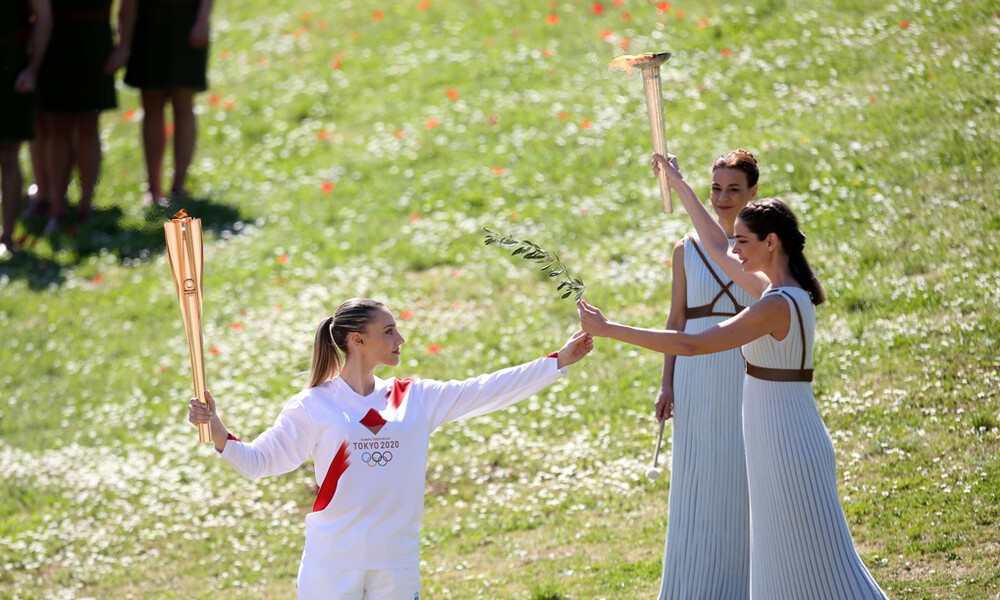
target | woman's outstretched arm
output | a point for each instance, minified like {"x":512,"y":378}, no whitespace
{"x":769,"y":316}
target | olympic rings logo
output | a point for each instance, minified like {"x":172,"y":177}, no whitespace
{"x":373,"y":459}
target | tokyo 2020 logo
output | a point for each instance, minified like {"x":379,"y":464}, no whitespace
{"x":376,"y":459}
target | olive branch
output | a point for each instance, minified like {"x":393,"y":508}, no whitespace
{"x":531,"y":251}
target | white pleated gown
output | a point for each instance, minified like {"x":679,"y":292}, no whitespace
{"x":707,"y":555}
{"x":800,"y":544}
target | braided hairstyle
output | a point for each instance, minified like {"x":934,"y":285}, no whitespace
{"x":331,"y":338}
{"x":770,"y":215}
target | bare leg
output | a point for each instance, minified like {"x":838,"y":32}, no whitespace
{"x":88,"y":160}
{"x":42,"y":197}
{"x":185,"y":132}
{"x":58,"y":154}
{"x":10,"y":174}
{"x":154,"y":141}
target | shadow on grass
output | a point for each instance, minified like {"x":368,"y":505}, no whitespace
{"x":43,"y":260}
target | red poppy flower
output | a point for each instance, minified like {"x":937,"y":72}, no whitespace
{"x":597,"y":8}
{"x":563,"y":115}
{"x":904,"y":24}
{"x":321,"y":135}
{"x":378,"y":15}
{"x":552,"y":19}
{"x":452,"y":94}
{"x":433,"y":349}
{"x":129,"y":115}
{"x":406,"y":315}
{"x":215,"y":351}
{"x":423,"y":5}
{"x":702,"y":23}
{"x":498,"y":170}
{"x":607,"y":35}
{"x":168,"y":128}
{"x":663,"y":7}
{"x":413,"y":218}
{"x":97,"y":278}
{"x":214,"y":99}
{"x":586,"y":124}
{"x":327,"y":187}
{"x":236,"y":326}
{"x":725,"y":52}
{"x":626,"y":16}
{"x":431,"y":123}
{"x":283,"y":259}
{"x":399,"y":133}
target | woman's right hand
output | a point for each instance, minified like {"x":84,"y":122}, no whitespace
{"x":668,"y":164}
{"x":665,"y":404}
{"x":201,"y":412}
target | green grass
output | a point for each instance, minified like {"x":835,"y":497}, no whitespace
{"x":342,"y":155}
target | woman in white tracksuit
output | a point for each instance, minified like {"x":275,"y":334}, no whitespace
{"x":368,"y":438}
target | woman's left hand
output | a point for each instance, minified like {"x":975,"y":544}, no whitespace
{"x":575,"y":348}
{"x":592,"y":320}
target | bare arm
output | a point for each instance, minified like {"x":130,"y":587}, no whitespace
{"x":40,"y":31}
{"x":199,"y":34}
{"x":713,"y":238}
{"x":769,"y":316}
{"x":676,"y":320}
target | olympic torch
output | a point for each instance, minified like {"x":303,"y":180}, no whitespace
{"x":184,"y":246}
{"x":649,"y":64}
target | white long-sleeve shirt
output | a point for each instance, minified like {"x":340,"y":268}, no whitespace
{"x":373,"y":520}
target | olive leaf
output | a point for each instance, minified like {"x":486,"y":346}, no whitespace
{"x":531,"y":251}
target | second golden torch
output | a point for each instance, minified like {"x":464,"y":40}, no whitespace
{"x":649,"y":64}
{"x":184,"y":246}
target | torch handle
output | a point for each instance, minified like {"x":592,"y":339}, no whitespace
{"x":654,"y":107}
{"x":659,"y":442}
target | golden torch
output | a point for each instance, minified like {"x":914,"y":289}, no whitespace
{"x":649,"y":64}
{"x":184,"y":246}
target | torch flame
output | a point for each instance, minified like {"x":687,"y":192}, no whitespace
{"x":627,"y":62}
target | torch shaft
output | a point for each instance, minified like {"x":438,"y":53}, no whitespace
{"x":654,"y":107}
{"x":184,"y":247}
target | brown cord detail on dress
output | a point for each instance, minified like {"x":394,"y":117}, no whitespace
{"x":708,"y":310}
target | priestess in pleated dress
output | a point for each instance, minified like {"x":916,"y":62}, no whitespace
{"x":800,"y":544}
{"x":707,"y":552}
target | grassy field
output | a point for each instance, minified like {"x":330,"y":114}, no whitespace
{"x":352,"y":149}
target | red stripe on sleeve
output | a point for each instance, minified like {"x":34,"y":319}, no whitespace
{"x":229,"y":437}
{"x":553,"y":355}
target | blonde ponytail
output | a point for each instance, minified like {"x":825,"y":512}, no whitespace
{"x":331,"y":338}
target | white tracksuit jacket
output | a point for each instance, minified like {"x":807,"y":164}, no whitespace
{"x":373,"y":519}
